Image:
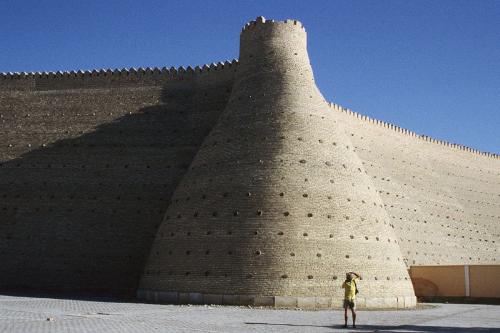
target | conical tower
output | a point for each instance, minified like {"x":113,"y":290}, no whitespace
{"x":276,"y":207}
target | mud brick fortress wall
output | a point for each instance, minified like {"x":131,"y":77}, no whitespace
{"x":233,"y":183}
{"x":88,"y":165}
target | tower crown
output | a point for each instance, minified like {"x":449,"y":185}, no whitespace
{"x":261,"y":35}
{"x":261,"y":22}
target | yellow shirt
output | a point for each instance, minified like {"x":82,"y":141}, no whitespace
{"x":350,"y":289}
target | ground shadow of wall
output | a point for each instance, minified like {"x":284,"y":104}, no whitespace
{"x":81,"y":213}
{"x":390,"y":328}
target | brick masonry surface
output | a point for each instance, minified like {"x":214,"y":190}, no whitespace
{"x":232,"y":181}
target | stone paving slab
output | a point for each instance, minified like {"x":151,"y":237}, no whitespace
{"x":29,"y":314}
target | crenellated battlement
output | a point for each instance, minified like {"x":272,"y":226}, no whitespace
{"x":261,"y":21}
{"x":151,"y":75}
{"x":410,"y":133}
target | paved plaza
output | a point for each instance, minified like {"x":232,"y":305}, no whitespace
{"x":45,"y":314}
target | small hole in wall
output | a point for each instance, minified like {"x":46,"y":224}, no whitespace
{"x":282,"y":194}
{"x":284,"y":276}
{"x":292,"y":254}
{"x":286,"y":213}
{"x":236,"y":213}
{"x":309,"y":215}
{"x":310,"y":277}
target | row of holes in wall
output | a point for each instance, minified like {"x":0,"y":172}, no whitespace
{"x":253,"y":275}
{"x":465,"y":226}
{"x":448,"y":217}
{"x":237,"y":213}
{"x":66,"y":184}
{"x":183,"y":145}
{"x":432,"y":161}
{"x":259,"y":253}
{"x":422,"y":181}
{"x":446,"y":195}
{"x":432,"y":231}
{"x":80,"y":210}
{"x":260,"y":212}
{"x":256,"y":232}
{"x":14,"y":165}
{"x":449,"y":256}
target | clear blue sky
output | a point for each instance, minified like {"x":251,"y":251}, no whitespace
{"x":429,"y":66}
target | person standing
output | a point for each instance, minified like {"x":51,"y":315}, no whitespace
{"x":351,"y":290}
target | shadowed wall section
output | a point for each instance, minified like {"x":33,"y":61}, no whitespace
{"x":88,"y":165}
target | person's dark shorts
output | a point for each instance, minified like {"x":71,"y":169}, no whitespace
{"x":349,"y":304}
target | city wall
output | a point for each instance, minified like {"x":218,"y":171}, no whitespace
{"x":88,"y":162}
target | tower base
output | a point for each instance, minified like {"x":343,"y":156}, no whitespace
{"x":307,"y":302}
